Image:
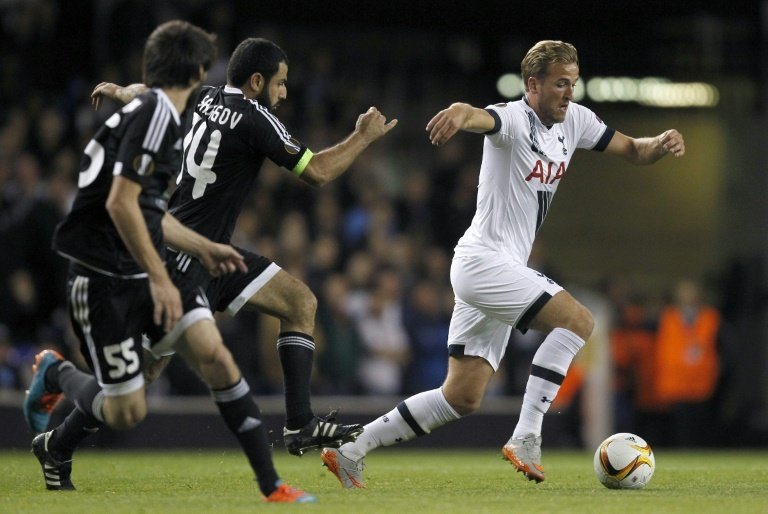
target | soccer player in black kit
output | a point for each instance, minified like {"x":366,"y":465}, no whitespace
{"x":233,"y":130}
{"x":119,"y":289}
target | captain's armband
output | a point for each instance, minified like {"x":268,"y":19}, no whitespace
{"x":302,"y":164}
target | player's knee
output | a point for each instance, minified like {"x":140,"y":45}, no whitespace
{"x":580,"y":322}
{"x":309,"y":304}
{"x":585,"y":324}
{"x":463,"y":402}
{"x":304,"y":308}
{"x":218,"y":369}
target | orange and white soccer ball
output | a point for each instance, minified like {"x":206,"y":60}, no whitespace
{"x":624,"y":461}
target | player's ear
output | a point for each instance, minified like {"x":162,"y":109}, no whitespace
{"x":533,"y":85}
{"x":257,"y":82}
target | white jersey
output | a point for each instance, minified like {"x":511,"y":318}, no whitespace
{"x":523,"y":163}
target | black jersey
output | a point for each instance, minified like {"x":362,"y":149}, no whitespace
{"x":141,"y":142}
{"x":224,"y":150}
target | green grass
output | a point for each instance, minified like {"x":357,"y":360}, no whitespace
{"x":400,"y":481}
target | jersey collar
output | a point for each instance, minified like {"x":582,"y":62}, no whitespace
{"x":548,"y":127}
{"x":164,"y":98}
{"x":231,"y":90}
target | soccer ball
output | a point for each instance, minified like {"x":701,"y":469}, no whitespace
{"x":624,"y":461}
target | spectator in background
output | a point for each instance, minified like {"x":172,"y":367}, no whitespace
{"x":633,"y":343}
{"x":688,"y":364}
{"x":32,"y":273}
{"x":426,"y":322}
{"x":338,"y":339}
{"x":379,"y":320}
{"x":11,"y":369}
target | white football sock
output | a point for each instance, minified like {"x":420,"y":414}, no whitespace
{"x":413,"y":417}
{"x":550,"y":364}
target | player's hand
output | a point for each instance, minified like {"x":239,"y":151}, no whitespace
{"x":672,"y":142}
{"x":444,"y":125}
{"x":167,"y":302}
{"x":105,"y":89}
{"x":220,"y":259}
{"x":372,"y":124}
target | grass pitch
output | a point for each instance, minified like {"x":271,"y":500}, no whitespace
{"x":400,"y":481}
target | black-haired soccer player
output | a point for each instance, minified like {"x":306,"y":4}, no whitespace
{"x":234,"y":129}
{"x":119,"y":289}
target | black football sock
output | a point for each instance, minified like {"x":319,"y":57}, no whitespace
{"x":296,"y":351}
{"x":243,"y":417}
{"x":52,"y":376}
{"x":84,"y":390}
{"x":67,"y":436}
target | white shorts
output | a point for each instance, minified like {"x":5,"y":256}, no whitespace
{"x":493,"y":295}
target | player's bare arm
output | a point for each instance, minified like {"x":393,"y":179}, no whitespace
{"x":122,"y":94}
{"x":123,"y":208}
{"x":332,"y":162}
{"x":459,"y":116}
{"x":647,"y":150}
{"x":217,"y":258}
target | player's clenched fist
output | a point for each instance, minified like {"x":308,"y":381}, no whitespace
{"x":372,"y":124}
{"x":672,"y":142}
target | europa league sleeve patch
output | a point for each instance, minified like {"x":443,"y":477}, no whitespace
{"x":292,"y":146}
{"x":144,"y":164}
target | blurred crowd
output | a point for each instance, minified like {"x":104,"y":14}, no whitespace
{"x":375,"y":246}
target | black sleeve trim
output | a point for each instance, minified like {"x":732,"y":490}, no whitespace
{"x":496,"y":122}
{"x":604,"y":139}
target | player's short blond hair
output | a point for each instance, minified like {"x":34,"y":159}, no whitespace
{"x":544,"y":53}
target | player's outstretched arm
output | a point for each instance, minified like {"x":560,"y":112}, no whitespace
{"x":459,"y":116}
{"x":647,"y":150}
{"x":217,"y":258}
{"x":123,"y":94}
{"x":328,"y":164}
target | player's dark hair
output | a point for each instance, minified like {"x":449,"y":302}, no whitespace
{"x":254,"y":55}
{"x":174,"y":53}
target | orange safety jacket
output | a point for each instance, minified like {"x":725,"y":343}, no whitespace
{"x":687,"y":363}
{"x":634,"y":361}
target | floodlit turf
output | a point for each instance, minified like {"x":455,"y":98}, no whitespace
{"x":400,"y":481}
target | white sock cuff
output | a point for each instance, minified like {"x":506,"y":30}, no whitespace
{"x":97,"y":406}
{"x":231,"y":394}
{"x":569,"y":340}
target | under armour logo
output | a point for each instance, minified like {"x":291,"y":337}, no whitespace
{"x":385,"y":419}
{"x":544,"y":399}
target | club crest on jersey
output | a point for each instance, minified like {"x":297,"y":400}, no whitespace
{"x":292,"y":146}
{"x":143,"y":164}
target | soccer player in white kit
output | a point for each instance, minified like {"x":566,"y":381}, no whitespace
{"x":528,"y":145}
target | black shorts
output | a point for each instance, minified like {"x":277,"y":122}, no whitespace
{"x":227,"y":293}
{"x":110,"y":316}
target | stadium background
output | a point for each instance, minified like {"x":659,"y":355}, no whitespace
{"x":386,"y":229}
